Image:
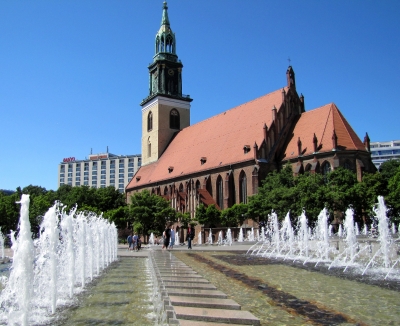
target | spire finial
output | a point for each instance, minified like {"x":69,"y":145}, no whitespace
{"x":165,"y":20}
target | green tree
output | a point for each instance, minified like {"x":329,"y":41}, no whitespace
{"x":309,"y":194}
{"x":201,"y":216}
{"x":234,"y":215}
{"x":340,"y":190}
{"x":185,"y":220}
{"x":9,"y":212}
{"x":388,"y":169}
{"x":393,"y":198}
{"x":366,"y":194}
{"x":208,"y":216}
{"x":151,"y":212}
{"x":277,"y":193}
{"x":119,"y":216}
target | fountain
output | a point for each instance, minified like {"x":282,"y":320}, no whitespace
{"x":228,"y":238}
{"x":47,"y":272}
{"x":1,"y":244}
{"x":151,"y":239}
{"x":250,"y":235}
{"x":210,"y":239}
{"x":220,"y":240}
{"x":240,"y":239}
{"x":177,"y":243}
{"x":262,"y":234}
{"x":345,"y":251}
{"x":199,"y":238}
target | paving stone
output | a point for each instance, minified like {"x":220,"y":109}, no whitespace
{"x":185,"y":280}
{"x":178,"y":291}
{"x":182,"y":276}
{"x":204,"y":302}
{"x":202,"y":323}
{"x":216,"y":315}
{"x":200,"y":286}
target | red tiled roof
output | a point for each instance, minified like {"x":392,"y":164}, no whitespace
{"x":220,"y":139}
{"x":322,"y":121}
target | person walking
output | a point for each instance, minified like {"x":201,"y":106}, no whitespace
{"x":129,"y":241}
{"x":172,"y":242}
{"x":135,"y":241}
{"x":190,"y":236}
{"x":167,"y":237}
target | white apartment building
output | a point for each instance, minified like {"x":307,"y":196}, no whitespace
{"x":99,"y":170}
{"x":384,"y":150}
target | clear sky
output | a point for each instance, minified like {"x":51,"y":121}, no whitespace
{"x":72,"y":73}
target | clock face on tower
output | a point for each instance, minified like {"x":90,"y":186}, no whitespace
{"x":170,"y":72}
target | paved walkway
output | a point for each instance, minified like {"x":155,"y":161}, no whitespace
{"x":144,"y":252}
{"x":191,"y":300}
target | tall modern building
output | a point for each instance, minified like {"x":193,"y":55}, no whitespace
{"x":384,"y":151}
{"x":99,"y":170}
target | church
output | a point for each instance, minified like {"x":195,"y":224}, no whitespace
{"x":223,"y":159}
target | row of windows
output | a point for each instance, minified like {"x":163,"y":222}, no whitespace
{"x":386,"y":152}
{"x":121,"y":186}
{"x":103,"y":165}
{"x":103,"y":176}
{"x":95,"y":171}
{"x":174,"y":120}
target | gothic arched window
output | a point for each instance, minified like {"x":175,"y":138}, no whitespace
{"x":150,"y":121}
{"x":220,"y":192}
{"x":326,"y":169}
{"x":174,"y":121}
{"x":347,"y":165}
{"x":243,"y":188}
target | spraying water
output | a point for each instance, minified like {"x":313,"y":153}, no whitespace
{"x":210,"y":240}
{"x":303,"y":234}
{"x":228,"y":239}
{"x":220,"y":240}
{"x":21,"y":277}
{"x":151,"y":239}
{"x":43,"y":271}
{"x":262,"y":234}
{"x":383,"y":227}
{"x":240,"y":239}
{"x":350,"y":233}
{"x":49,"y":241}
{"x":1,"y":244}
{"x":199,"y":239}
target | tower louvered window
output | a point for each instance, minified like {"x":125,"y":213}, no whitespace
{"x":174,"y":120}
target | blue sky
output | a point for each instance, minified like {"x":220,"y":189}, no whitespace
{"x":72,"y":73}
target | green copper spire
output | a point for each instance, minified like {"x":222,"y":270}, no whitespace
{"x":165,"y":39}
{"x":165,"y":20}
{"x":165,"y":71}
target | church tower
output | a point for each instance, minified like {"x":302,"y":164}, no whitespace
{"x":166,"y":110}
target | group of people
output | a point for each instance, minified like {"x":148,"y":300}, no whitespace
{"x":134,"y":242}
{"x":168,"y":239}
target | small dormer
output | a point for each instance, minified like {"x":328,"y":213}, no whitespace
{"x":246,"y":149}
{"x":138,"y":178}
{"x":170,"y":169}
{"x":203,"y":160}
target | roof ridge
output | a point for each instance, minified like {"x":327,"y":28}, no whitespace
{"x":345,"y":123}
{"x":326,"y":122}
